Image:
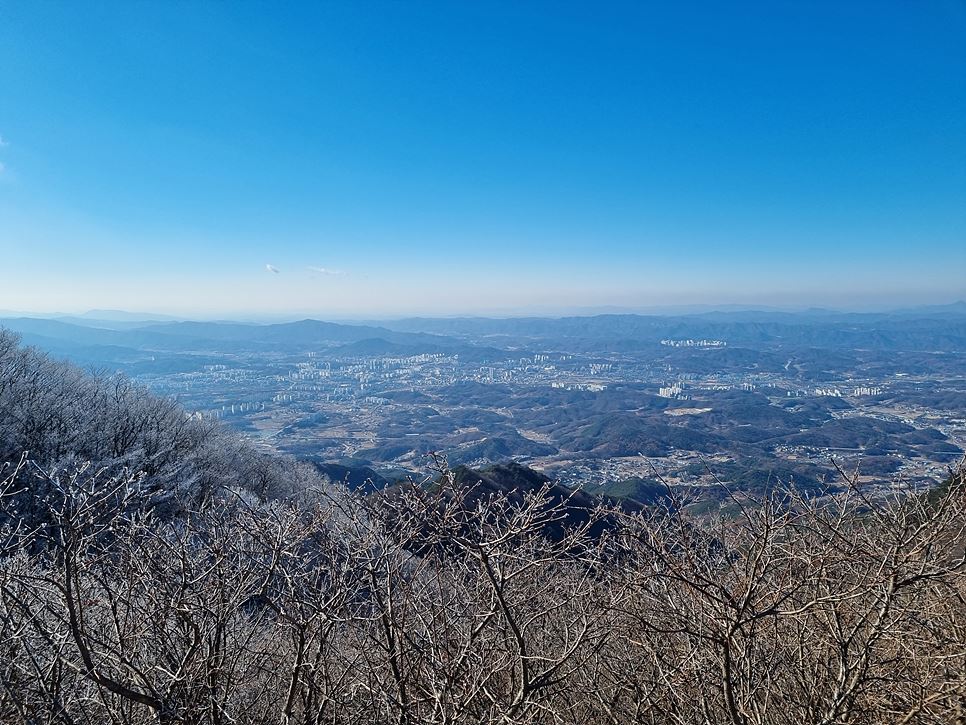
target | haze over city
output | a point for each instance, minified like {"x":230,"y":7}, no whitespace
{"x":220,"y":159}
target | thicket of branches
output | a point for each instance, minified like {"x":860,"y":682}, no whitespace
{"x":415,"y":608}
{"x":438,"y":604}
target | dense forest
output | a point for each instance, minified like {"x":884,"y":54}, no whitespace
{"x":156,"y":568}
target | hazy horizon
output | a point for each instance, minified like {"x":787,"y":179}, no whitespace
{"x":368,"y":160}
{"x":535,"y":312}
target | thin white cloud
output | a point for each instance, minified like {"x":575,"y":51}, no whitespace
{"x":271,"y":268}
{"x":325,"y":270}
{"x":3,"y":142}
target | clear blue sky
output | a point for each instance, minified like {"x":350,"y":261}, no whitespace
{"x":477,"y":156}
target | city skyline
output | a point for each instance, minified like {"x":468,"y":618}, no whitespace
{"x":381,"y":159}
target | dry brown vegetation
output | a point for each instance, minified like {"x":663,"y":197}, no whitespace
{"x":439,"y":606}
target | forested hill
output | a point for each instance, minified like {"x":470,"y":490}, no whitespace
{"x":60,"y":416}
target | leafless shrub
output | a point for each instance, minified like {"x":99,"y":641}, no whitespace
{"x":441,"y":604}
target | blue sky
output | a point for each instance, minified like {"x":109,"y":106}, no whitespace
{"x":480,"y":157}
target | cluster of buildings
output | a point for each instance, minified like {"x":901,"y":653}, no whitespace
{"x":694,"y":343}
{"x":856,"y":392}
{"x":671,"y":391}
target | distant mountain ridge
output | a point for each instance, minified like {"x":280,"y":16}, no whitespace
{"x":940,"y":330}
{"x":176,"y":336}
{"x":120,"y":340}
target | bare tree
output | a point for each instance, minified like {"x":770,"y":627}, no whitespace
{"x":443,"y":603}
{"x":832,"y":610}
